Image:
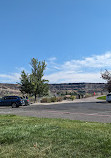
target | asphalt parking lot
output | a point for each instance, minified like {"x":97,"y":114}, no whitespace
{"x":99,"y":111}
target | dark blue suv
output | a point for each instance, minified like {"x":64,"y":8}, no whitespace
{"x":14,"y":101}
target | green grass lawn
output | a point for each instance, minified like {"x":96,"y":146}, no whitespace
{"x":102,"y":98}
{"x":29,"y":137}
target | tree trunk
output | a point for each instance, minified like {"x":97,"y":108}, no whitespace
{"x":35,"y":97}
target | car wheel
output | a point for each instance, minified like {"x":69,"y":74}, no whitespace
{"x":14,"y":105}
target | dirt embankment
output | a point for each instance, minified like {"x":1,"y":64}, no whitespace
{"x":9,"y":89}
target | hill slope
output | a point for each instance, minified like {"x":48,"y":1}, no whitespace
{"x":13,"y":89}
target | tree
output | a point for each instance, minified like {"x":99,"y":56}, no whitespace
{"x":107,"y":76}
{"x":25,"y":83}
{"x":108,"y":86}
{"x":34,"y":83}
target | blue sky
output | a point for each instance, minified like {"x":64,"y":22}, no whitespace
{"x":72,"y":36}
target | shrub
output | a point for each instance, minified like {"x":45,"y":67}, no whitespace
{"x":44,"y":100}
{"x":48,"y":100}
{"x":59,"y":99}
{"x":72,"y":97}
{"x":67,"y":97}
{"x":53,"y":99}
{"x":87,"y":95}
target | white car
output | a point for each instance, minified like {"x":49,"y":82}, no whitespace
{"x":108,"y":97}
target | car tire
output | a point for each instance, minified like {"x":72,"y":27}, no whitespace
{"x":14,"y":105}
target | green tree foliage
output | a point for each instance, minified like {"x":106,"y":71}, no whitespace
{"x":25,"y":83}
{"x":34,"y":83}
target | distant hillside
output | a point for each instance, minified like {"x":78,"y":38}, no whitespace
{"x":79,"y":87}
{"x":13,"y":89}
{"x":9,"y":89}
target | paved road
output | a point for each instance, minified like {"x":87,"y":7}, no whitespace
{"x":86,"y":111}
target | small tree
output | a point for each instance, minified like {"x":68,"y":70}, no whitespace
{"x":107,"y":76}
{"x":34,"y":83}
{"x":108,"y":86}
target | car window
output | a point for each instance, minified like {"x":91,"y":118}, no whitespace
{"x":5,"y":98}
{"x":9,"y":97}
{"x":109,"y":95}
{"x":14,"y":98}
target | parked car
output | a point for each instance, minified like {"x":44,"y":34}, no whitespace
{"x":108,"y":97}
{"x":26,"y":101}
{"x":14,"y":101}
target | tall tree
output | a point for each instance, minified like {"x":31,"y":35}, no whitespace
{"x":34,"y":82}
{"x":40,"y":85}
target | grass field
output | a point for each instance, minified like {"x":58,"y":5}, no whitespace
{"x":102,"y":98}
{"x":29,"y":137}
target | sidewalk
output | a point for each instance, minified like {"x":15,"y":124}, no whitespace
{"x":89,"y":99}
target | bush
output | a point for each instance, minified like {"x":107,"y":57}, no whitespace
{"x":87,"y":95}
{"x":67,"y":97}
{"x":48,"y":100}
{"x":45,"y":100}
{"x":53,"y":99}
{"x":72,"y":97}
{"x":59,"y":99}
